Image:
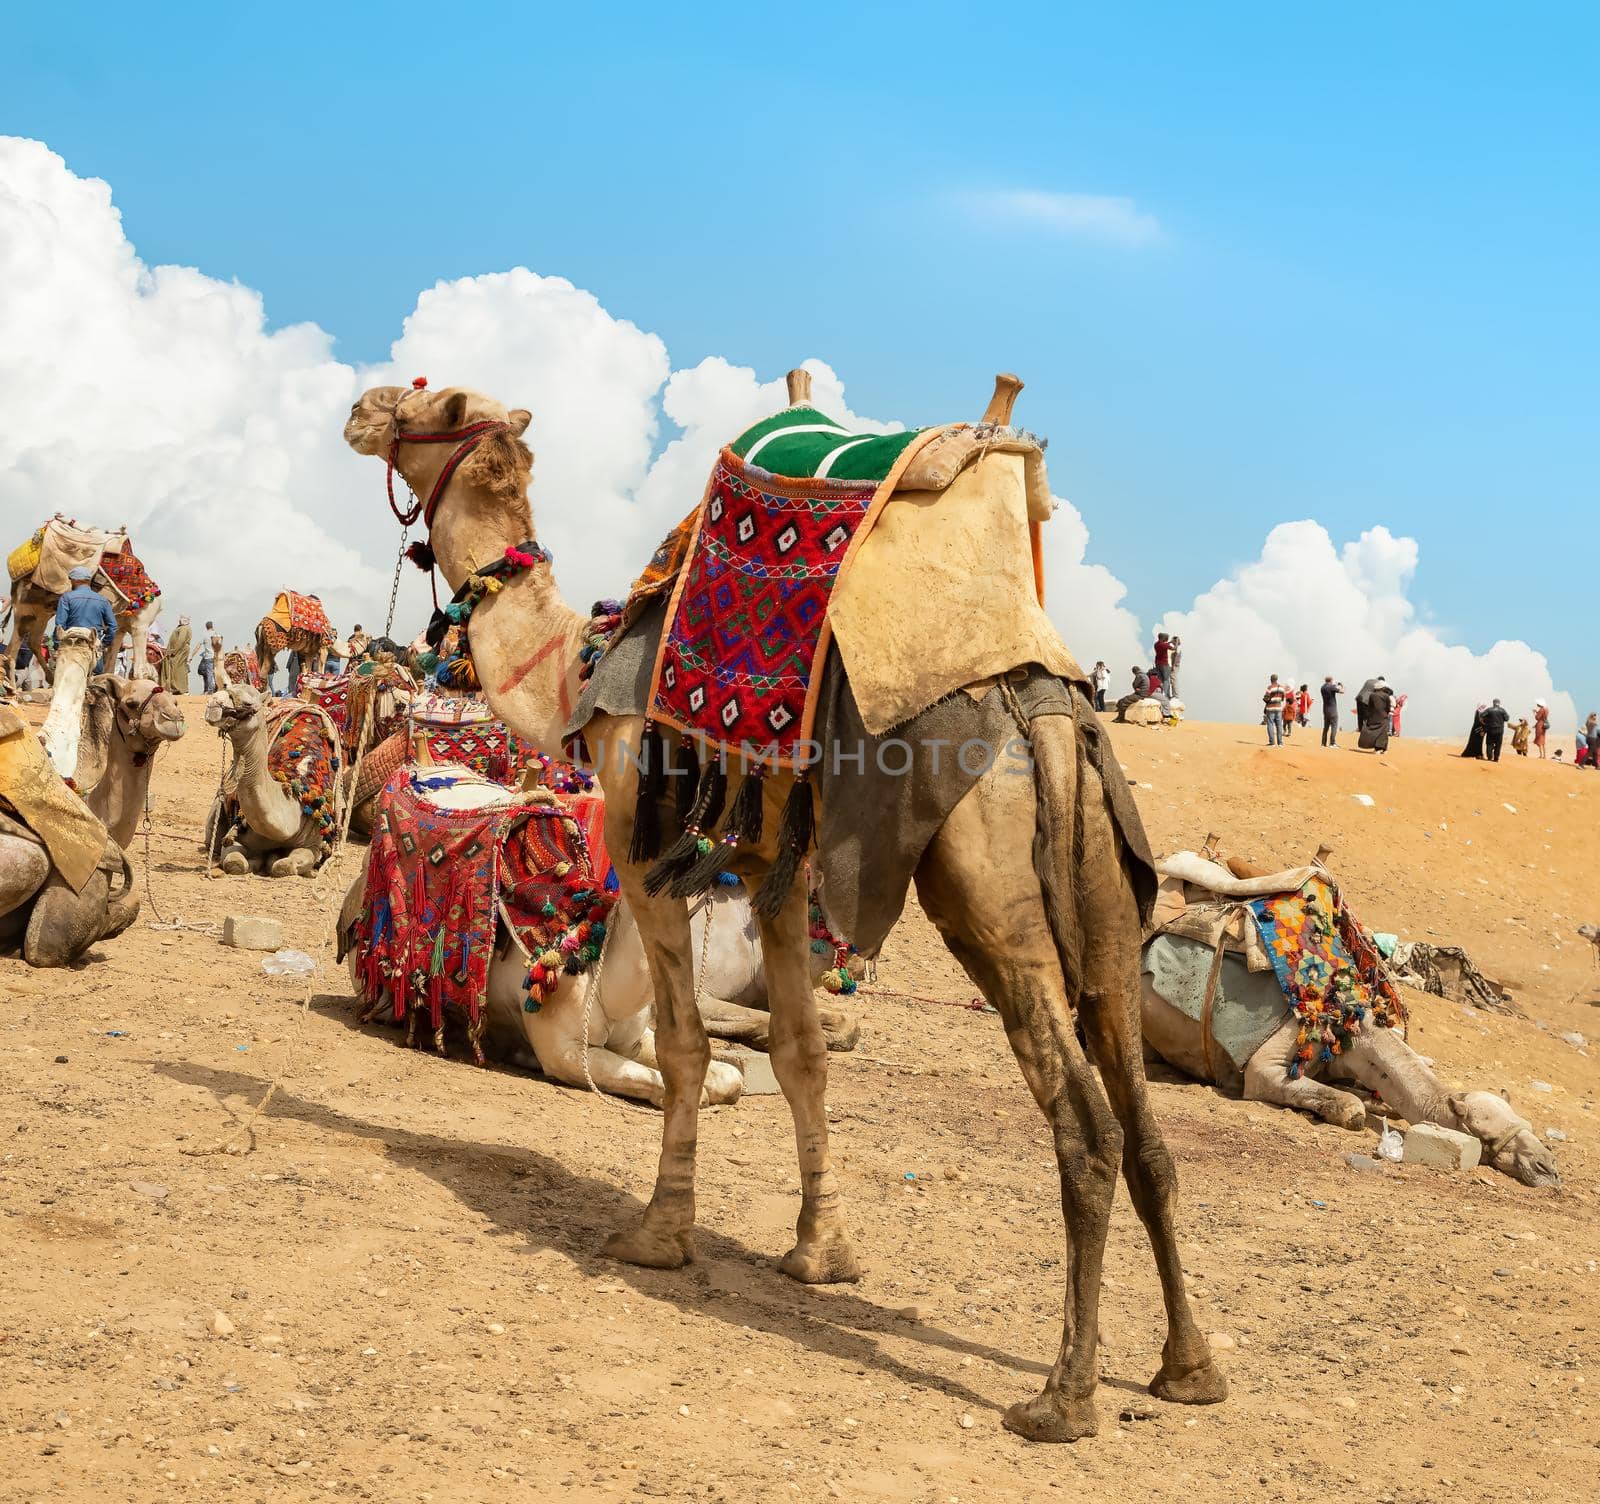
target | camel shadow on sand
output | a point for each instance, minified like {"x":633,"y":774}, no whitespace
{"x":549,"y":1206}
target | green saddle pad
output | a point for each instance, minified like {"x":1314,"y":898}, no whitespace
{"x":802,"y":444}
{"x":1248,"y":1005}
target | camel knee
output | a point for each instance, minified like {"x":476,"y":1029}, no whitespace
{"x":1151,"y":1162}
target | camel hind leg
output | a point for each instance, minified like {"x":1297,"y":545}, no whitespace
{"x":978,"y":885}
{"x":1107,"y":916}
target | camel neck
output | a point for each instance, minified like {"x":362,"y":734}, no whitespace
{"x":118,"y":798}
{"x":525,"y":638}
{"x":268,"y":809}
{"x":62,"y":732}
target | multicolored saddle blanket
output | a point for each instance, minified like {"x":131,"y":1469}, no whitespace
{"x":1328,"y":968}
{"x":348,"y":697}
{"x":242,"y":668}
{"x":301,"y":613}
{"x":747,"y":624}
{"x":489,"y":748}
{"x":441,"y":882}
{"x":128,"y":577}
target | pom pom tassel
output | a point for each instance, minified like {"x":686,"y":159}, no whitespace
{"x":743,"y":828}
{"x":421,"y":555}
{"x":710,"y":794}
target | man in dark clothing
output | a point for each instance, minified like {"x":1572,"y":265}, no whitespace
{"x":1494,"y":729}
{"x":1330,"y":711}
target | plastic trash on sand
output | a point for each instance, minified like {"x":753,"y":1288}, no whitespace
{"x":288,"y":963}
{"x":1365,"y":799}
{"x":1387,"y":944}
{"x":1392,"y":1146}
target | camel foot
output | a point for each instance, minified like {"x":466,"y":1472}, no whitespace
{"x":828,"y":1260}
{"x":1052,"y":1417}
{"x":1205,"y":1385}
{"x":651,"y":1250}
{"x":724,"y":1084}
{"x":235,"y":864}
{"x":1348,"y":1114}
{"x":840,"y":1030}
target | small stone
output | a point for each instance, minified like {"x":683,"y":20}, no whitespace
{"x":683,"y":1409}
{"x":967,"y":1422}
{"x":756,"y":1069}
{"x":910,"y":1313}
{"x":221,"y":1326}
{"x":1541,"y":1086}
{"x":1221,"y":1342}
{"x":62,"y":1419}
{"x":248,"y":932}
{"x":148,"y":1188}
{"x":61,"y":1059}
{"x":497,"y":1329}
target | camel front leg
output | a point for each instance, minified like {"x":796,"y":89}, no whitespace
{"x":1267,"y":1079}
{"x":822,"y":1253}
{"x":300,"y":862}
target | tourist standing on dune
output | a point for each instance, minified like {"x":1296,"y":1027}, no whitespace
{"x":1541,"y":724}
{"x":1494,"y":729}
{"x":1519,"y":737}
{"x":1474,"y":746}
{"x":1374,"y":706}
{"x":1394,"y":715}
{"x":1591,"y":737}
{"x":1272,"y":707}
{"x":1163,"y":668}
{"x":1174,"y":663}
{"x":1099,"y":678}
{"x":1330,"y":711}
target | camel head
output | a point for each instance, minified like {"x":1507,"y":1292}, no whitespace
{"x":240,"y":708}
{"x":493,"y":475}
{"x":1519,"y":1154}
{"x":143,"y":713}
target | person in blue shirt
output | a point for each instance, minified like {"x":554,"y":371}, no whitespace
{"x":82,"y":606}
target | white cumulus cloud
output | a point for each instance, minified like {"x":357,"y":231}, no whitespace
{"x":1305,"y":608}
{"x":1086,"y":216}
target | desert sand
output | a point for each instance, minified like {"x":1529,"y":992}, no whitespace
{"x":394,"y":1289}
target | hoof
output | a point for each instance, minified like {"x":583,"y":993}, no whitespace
{"x":724,"y":1084}
{"x":1049,"y":1417}
{"x":827,"y":1261}
{"x":842,"y":1036}
{"x":650,"y":1250}
{"x":235,"y":865}
{"x":1205,"y":1385}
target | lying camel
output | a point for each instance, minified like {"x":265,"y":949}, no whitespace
{"x":64,"y":883}
{"x":125,"y":723}
{"x":1376,"y":1058}
{"x":272,"y":831}
{"x":618,"y":1045}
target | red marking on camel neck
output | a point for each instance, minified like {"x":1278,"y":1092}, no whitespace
{"x":522,"y":671}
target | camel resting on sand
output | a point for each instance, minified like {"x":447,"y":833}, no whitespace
{"x":125,"y":723}
{"x":282,"y":829}
{"x":618,"y":1038}
{"x":1375,"y":1058}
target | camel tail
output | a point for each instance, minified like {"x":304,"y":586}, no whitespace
{"x":1058,"y":756}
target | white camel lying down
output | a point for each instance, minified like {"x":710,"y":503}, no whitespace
{"x":1377,"y":1059}
{"x":619,"y":1044}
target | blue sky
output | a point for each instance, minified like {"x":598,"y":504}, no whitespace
{"x":1353,"y":278}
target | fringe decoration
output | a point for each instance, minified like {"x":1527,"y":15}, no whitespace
{"x":421,"y":555}
{"x":743,"y":828}
{"x":646,"y":841}
{"x":710,"y":796}
{"x":796,"y":828}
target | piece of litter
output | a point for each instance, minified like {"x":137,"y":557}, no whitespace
{"x":288,"y":963}
{"x":1510,"y":807}
{"x":1365,"y":799}
{"x":1556,"y":1134}
{"x":1541,"y":1086}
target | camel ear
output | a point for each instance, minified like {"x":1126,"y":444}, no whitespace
{"x":454,"y":414}
{"x":1458,"y":1105}
{"x":520,"y":419}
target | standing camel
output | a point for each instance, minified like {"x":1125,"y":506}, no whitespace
{"x":33,"y":608}
{"x":1030,"y":881}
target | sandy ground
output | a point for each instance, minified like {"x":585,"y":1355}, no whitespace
{"x":414,"y":1305}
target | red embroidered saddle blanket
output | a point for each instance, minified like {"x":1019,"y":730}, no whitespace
{"x":440,"y":883}
{"x":127,"y":575}
{"x":747,"y":624}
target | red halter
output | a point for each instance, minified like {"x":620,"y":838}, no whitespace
{"x":465,"y":439}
